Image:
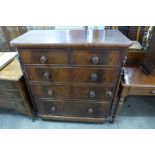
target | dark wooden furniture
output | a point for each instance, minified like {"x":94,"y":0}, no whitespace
{"x":73,"y":74}
{"x":148,"y":65}
{"x":13,"y":92}
{"x":135,"y":82}
{"x":134,"y":32}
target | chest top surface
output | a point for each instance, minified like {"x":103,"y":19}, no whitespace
{"x":71,"y":38}
{"x":12,"y":72}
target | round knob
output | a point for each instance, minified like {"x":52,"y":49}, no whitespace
{"x":92,"y":93}
{"x":43,"y":59}
{"x":109,"y":93}
{"x":53,"y":109}
{"x":46,"y":75}
{"x":90,"y":111}
{"x":95,"y":60}
{"x":153,"y":91}
{"x":50,"y":92}
{"x":94,"y":77}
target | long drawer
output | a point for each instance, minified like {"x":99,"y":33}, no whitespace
{"x":72,"y":75}
{"x":141,"y":91}
{"x":71,"y":92}
{"x":44,"y":56}
{"x":95,"y":57}
{"x":5,"y":84}
{"x":10,"y":94}
{"x":10,"y":104}
{"x":74,"y":108}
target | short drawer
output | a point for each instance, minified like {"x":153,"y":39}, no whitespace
{"x":95,"y":57}
{"x":141,"y":91}
{"x":10,"y":94}
{"x":71,"y":92}
{"x":73,"y":75}
{"x":4,"y":84}
{"x":44,"y":56}
{"x":74,"y":108}
{"x":9,"y":104}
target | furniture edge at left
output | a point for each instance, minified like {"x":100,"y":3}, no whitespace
{"x":13,"y":91}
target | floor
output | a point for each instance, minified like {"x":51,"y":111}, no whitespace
{"x":136,"y":113}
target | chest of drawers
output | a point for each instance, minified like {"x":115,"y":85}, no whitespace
{"x":73,"y":75}
{"x":13,"y":92}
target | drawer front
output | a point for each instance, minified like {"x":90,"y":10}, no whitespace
{"x":74,"y":108}
{"x":71,"y":92}
{"x":49,"y":74}
{"x":95,"y":57}
{"x":7,"y":94}
{"x":75,"y":75}
{"x":100,"y":76}
{"x":51,"y":91}
{"x":44,"y":56}
{"x":8,"y":84}
{"x":92,"y":93}
{"x":141,"y":91}
{"x":18,"y":105}
{"x":9,"y":104}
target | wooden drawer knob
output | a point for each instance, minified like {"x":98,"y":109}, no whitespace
{"x":92,"y":94}
{"x":93,"y":77}
{"x":90,"y":111}
{"x":153,"y":91}
{"x":108,"y":93}
{"x":43,"y":59}
{"x":53,"y":109}
{"x":50,"y":92}
{"x":46,"y":76}
{"x":95,"y":60}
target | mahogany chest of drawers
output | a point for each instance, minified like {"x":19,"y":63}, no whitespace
{"x":13,"y":92}
{"x":73,"y":74}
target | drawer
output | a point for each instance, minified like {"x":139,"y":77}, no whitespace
{"x":49,"y":74}
{"x":9,"y":104}
{"x":95,"y":57}
{"x":141,"y":91}
{"x":74,"y":108}
{"x":44,"y":56}
{"x":10,"y":94}
{"x":51,"y":91}
{"x":18,"y":105}
{"x":98,"y":76}
{"x":23,"y":111}
{"x":75,"y":75}
{"x":71,"y":92}
{"x":8,"y":84}
{"x":92,"y":93}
